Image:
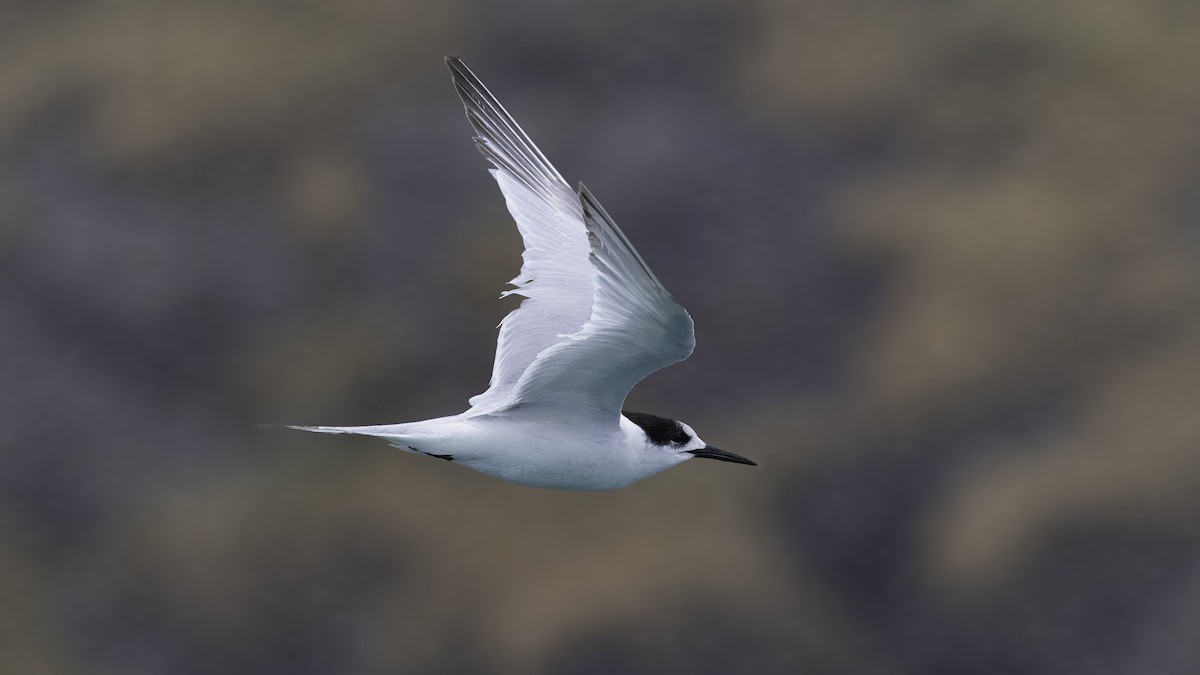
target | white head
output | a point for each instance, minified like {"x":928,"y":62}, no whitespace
{"x":669,"y":442}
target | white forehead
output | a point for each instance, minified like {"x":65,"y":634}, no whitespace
{"x":694,"y":441}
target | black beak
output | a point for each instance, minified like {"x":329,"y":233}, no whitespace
{"x":724,"y":455}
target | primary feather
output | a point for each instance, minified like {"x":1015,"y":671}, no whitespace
{"x":555,"y":277}
{"x":595,"y":320}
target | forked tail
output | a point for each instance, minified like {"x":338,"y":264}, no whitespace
{"x":398,"y":435}
{"x":329,"y":430}
{"x":426,"y":437}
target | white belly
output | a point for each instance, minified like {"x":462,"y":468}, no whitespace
{"x":560,"y":456}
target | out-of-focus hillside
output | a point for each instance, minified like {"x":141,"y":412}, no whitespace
{"x":942,"y":258}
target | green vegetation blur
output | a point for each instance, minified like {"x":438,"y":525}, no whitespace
{"x":943,"y":259}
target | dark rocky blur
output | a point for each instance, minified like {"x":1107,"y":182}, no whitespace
{"x":942,"y":258}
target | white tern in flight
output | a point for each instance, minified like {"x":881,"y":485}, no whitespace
{"x":594,"y":322}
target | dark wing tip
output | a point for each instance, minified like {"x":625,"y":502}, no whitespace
{"x":597,"y":220}
{"x":502,"y":140}
{"x":464,"y":79}
{"x":461,"y":73}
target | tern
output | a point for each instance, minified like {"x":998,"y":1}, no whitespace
{"x":593,"y":323}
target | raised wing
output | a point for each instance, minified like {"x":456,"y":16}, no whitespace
{"x":556,"y":277}
{"x":635,"y":329}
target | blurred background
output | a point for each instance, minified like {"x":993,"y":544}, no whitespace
{"x":942,"y":259}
